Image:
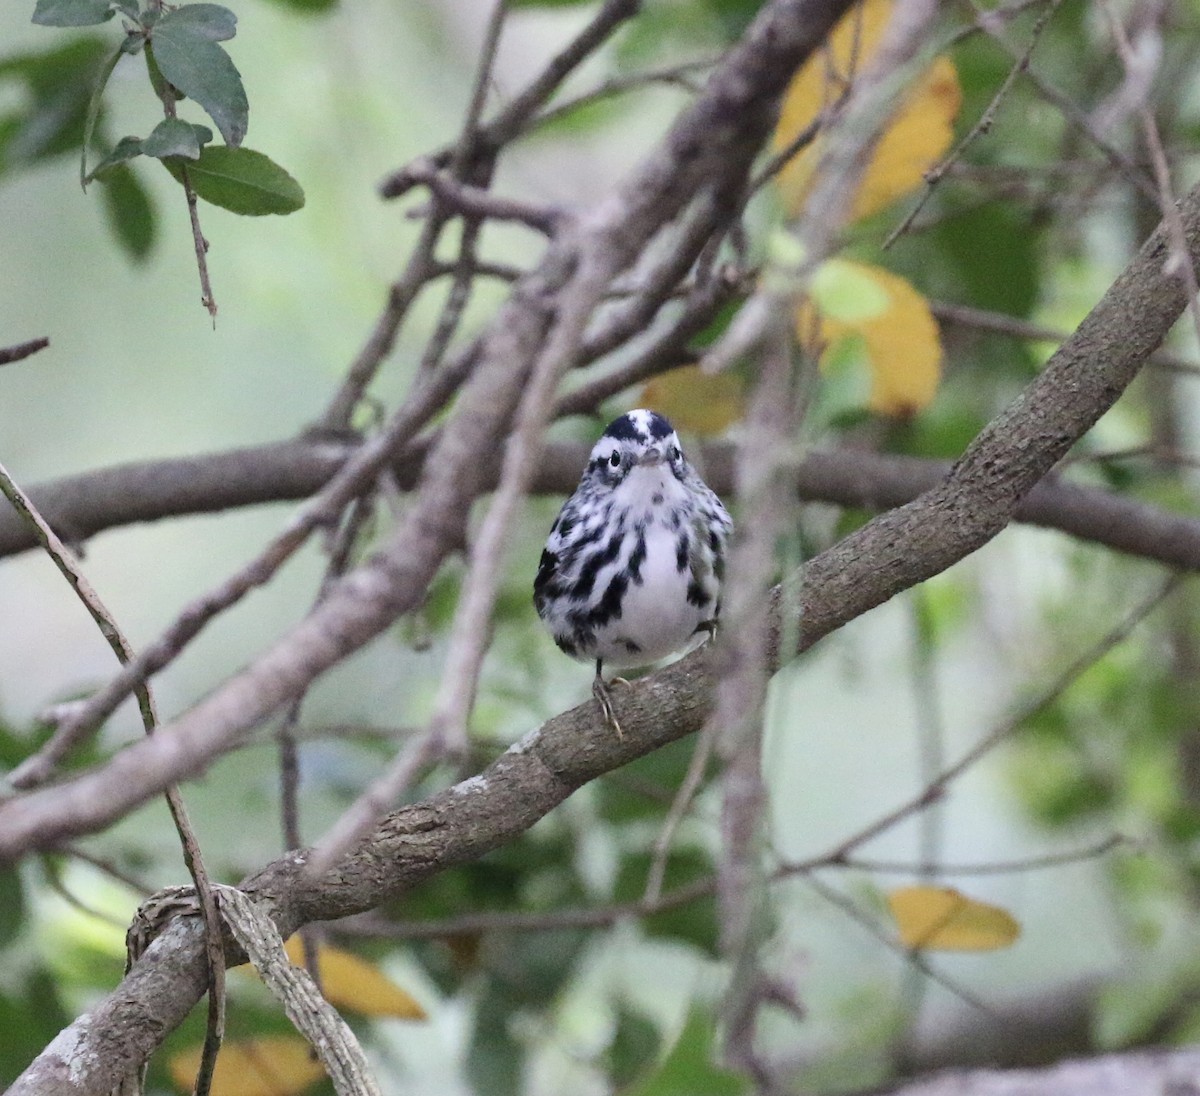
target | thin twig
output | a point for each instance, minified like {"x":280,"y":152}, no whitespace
{"x":464,"y":152}
{"x":1004,"y":730}
{"x":467,"y":167}
{"x":655,"y":281}
{"x":1180,"y":259}
{"x":480,"y":268}
{"x":469,"y":924}
{"x":765,"y":510}
{"x":513,"y":119}
{"x":214,"y":948}
{"x":472,"y":924}
{"x":54,"y":878}
{"x":931,"y":750}
{"x":1014,"y":327}
{"x":982,"y":126}
{"x":677,"y":75}
{"x":102,"y":864}
{"x":680,"y":804}
{"x":998,"y":867}
{"x":471,"y":629}
{"x":340,"y":552}
{"x":915,"y":958}
{"x":321,"y":510}
{"x":478,"y":203}
{"x":1067,"y":107}
{"x":10,"y":354}
{"x":665,"y":350}
{"x":1157,"y":453}
{"x":167,"y":96}
{"x":289,"y":768}
{"x":931,"y":733}
{"x":199,"y":243}
{"x":420,"y":269}
{"x":379,"y":797}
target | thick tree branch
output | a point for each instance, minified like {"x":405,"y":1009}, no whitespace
{"x":713,"y":142}
{"x":1135,"y":1073}
{"x":111,"y":498}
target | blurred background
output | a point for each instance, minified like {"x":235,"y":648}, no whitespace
{"x":1033,"y":224}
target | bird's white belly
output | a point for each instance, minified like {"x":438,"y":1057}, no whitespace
{"x":656,"y":615}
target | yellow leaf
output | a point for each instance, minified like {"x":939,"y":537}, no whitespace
{"x":915,"y":139}
{"x":945,"y":919}
{"x":902,"y":341}
{"x":694,"y":401}
{"x":274,"y":1065}
{"x":350,"y":982}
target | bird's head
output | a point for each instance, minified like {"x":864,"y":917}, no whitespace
{"x":637,"y":439}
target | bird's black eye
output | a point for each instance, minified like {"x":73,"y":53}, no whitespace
{"x":615,"y":460}
{"x":676,"y":452}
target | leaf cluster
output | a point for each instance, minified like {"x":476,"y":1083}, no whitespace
{"x":184,"y":59}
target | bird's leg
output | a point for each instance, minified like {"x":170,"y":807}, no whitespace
{"x":709,"y":627}
{"x":602,"y":692}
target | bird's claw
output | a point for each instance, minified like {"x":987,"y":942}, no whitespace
{"x":603,"y":694}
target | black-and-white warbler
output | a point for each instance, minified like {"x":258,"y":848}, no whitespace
{"x":632,"y":569}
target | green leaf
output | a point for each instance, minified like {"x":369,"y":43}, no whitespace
{"x":1005,"y":278}
{"x":842,"y":291}
{"x":12,"y":905}
{"x":637,"y":791}
{"x":531,"y":970}
{"x":242,"y":181}
{"x":495,"y":1059}
{"x":689,"y":1068}
{"x":633,"y":1048}
{"x":694,"y":922}
{"x":308,"y":7}
{"x":53,"y":100}
{"x":93,"y":111}
{"x":210,"y":21}
{"x":44,"y":71}
{"x":734,"y":16}
{"x":127,"y":148}
{"x":175,"y":137}
{"x":1128,"y":1011}
{"x":583,"y":118}
{"x":184,"y":44}
{"x":29,"y":1022}
{"x":129,"y":211}
{"x":72,"y":13}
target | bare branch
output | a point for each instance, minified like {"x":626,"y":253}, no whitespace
{"x":890,"y":553}
{"x":982,"y":126}
{"x":1004,"y":730}
{"x":192,"y":858}
{"x":154,"y":490}
{"x":15,"y":353}
{"x":510,"y":122}
{"x":1134,"y":1073}
{"x":477,"y":203}
{"x":715,"y":139}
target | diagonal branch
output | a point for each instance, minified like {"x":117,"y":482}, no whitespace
{"x":712,"y":142}
{"x":975,"y":501}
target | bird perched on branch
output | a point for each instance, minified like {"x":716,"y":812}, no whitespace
{"x":632,"y":569}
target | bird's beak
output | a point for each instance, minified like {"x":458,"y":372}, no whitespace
{"x":656,"y":454}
